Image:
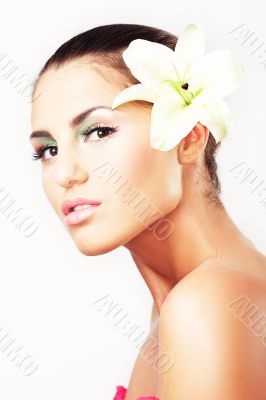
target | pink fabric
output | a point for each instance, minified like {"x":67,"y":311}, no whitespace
{"x":121,"y":394}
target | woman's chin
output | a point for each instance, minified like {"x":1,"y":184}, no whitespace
{"x":94,"y":246}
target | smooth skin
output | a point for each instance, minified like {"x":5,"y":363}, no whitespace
{"x":194,"y":273}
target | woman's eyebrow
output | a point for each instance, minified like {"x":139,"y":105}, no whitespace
{"x":74,"y":122}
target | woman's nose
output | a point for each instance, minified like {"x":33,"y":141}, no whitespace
{"x":70,"y":171}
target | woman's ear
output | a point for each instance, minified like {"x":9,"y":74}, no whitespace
{"x":191,"y":147}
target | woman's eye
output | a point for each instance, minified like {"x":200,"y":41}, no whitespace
{"x":98,"y":132}
{"x":40,"y":153}
{"x":52,"y":150}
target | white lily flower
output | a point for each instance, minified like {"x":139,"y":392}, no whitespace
{"x":185,"y":86}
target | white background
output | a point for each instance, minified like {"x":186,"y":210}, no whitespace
{"x":46,"y":286}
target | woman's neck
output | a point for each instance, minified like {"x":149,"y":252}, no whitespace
{"x":201,"y":231}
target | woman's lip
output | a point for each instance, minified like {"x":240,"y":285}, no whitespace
{"x":76,"y":217}
{"x":67,"y":205}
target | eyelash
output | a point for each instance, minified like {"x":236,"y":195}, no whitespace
{"x":38,"y":154}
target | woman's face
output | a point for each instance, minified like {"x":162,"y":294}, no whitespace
{"x":114,"y":164}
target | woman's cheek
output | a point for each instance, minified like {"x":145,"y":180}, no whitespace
{"x":49,"y":188}
{"x":144,"y":174}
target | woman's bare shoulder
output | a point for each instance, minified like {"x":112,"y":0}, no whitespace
{"x":222,"y":276}
{"x":212,"y":319}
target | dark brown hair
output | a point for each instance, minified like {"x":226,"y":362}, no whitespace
{"x":105,"y":45}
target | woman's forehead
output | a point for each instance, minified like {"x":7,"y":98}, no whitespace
{"x":75,"y":79}
{"x":73,"y":87}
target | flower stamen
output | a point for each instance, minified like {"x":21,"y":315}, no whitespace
{"x":185,"y":86}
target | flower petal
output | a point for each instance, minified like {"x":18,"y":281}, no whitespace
{"x":134,"y":92}
{"x":216,"y":117}
{"x":219,"y":73}
{"x":189,"y":50}
{"x":150,"y":62}
{"x":171,"y":121}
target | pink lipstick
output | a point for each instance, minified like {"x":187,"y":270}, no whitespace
{"x":78,"y":209}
